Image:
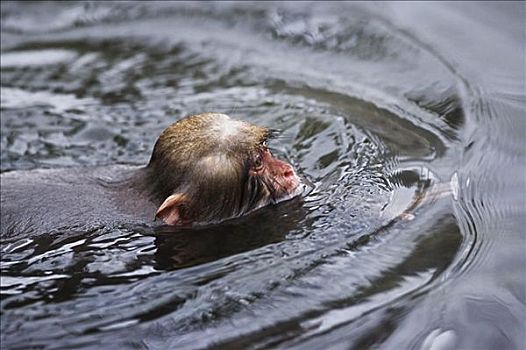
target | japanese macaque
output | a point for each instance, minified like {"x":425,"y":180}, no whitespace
{"x":204,"y":169}
{"x":208,"y":167}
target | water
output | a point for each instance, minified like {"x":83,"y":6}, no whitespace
{"x":407,"y":117}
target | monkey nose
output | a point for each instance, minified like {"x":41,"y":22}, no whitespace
{"x":290,"y":177}
{"x":285,"y":175}
{"x":288,"y":173}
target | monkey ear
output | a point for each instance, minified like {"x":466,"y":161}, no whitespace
{"x":174,"y":210}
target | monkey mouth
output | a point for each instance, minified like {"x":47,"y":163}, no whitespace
{"x":280,"y":192}
{"x":273,"y":192}
{"x":288,"y":195}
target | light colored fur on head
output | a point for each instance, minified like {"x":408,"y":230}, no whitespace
{"x":218,"y":164}
{"x":200,"y":135}
{"x":226,"y":128}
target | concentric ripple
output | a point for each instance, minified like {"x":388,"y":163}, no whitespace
{"x":382,"y":124}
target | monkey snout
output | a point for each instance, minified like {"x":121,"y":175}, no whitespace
{"x":284,"y":177}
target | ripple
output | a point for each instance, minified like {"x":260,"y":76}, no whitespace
{"x":13,"y":98}
{"x":32,"y":58}
{"x":415,"y":192}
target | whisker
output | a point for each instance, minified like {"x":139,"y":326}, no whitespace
{"x":233,"y":111}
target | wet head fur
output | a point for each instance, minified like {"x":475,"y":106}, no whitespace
{"x":206,"y":157}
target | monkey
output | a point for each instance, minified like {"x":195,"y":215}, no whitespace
{"x":210,"y":167}
{"x":204,"y":169}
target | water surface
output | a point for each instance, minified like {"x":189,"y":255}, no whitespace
{"x":408,"y":118}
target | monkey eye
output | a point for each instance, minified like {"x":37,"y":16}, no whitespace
{"x":264,"y":143}
{"x":258,"y":162}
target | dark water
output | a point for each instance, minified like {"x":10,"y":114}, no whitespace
{"x":409,"y":118}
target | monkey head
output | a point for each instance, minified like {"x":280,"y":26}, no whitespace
{"x":208,"y":168}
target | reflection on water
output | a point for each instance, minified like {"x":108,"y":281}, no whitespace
{"x":410,"y":129}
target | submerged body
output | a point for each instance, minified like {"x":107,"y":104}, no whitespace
{"x":204,"y":169}
{"x":47,"y":200}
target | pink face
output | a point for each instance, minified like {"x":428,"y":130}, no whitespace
{"x":277,"y":174}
